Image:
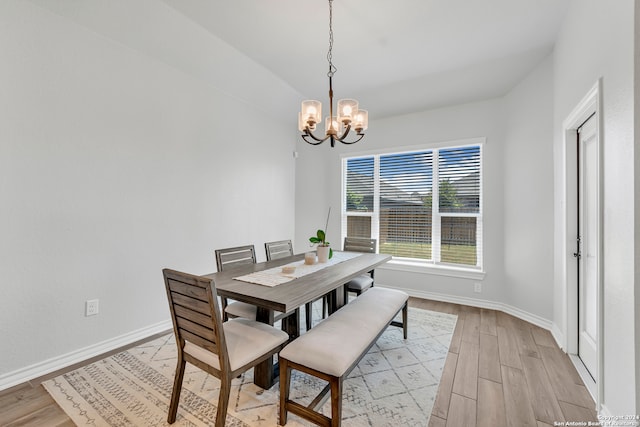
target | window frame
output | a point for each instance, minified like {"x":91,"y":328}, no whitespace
{"x":414,"y":264}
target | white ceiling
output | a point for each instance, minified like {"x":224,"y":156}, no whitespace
{"x":393,"y":56}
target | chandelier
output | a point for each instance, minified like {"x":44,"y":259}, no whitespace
{"x":348,"y":117}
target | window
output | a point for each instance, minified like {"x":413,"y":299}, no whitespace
{"x":391,"y":197}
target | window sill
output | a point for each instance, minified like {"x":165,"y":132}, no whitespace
{"x":440,"y":270}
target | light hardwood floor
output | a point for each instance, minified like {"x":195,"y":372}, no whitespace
{"x":503,"y":371}
{"x":500,"y":371}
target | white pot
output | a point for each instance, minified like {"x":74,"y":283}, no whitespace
{"x":323,"y":253}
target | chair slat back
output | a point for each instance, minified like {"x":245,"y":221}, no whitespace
{"x":235,"y":257}
{"x":359,"y":244}
{"x":279,"y":249}
{"x":195,"y":312}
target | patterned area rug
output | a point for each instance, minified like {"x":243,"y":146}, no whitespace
{"x":395,"y":384}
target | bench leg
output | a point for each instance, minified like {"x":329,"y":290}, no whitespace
{"x":336,"y":402}
{"x":285,"y":381}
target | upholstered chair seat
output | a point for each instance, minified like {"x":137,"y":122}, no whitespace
{"x":360,"y":283}
{"x":246,"y":340}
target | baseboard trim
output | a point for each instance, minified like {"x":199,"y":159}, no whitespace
{"x":41,"y":369}
{"x":558,"y":335}
{"x":45,"y":367}
{"x":474,"y":302}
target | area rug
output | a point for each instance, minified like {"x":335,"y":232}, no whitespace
{"x":395,"y":384}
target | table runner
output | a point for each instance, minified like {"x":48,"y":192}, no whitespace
{"x":274,"y":276}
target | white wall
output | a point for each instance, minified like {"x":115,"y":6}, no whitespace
{"x":117,"y":160}
{"x":596,"y":41}
{"x":313,"y":187}
{"x":528,"y":193}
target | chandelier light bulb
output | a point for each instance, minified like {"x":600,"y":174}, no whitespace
{"x":332,"y":126}
{"x":347,"y":108}
{"x":311,"y":111}
{"x":361,"y":121}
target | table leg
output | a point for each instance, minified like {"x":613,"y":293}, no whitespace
{"x":291,"y":325}
{"x":335,"y":300}
{"x":263,"y":373}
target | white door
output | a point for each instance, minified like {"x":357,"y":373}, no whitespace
{"x":588,"y":245}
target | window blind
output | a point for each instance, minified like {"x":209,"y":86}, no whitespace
{"x":392,"y":197}
{"x":405,"y":211}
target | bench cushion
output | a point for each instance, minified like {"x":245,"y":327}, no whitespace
{"x":337,"y":342}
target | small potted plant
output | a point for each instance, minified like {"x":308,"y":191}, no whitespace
{"x":324,"y":248}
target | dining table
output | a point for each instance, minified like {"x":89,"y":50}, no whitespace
{"x":291,"y":291}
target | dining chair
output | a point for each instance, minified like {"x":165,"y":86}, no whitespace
{"x":227,"y":259}
{"x":362,"y":282}
{"x":222,"y":349}
{"x":235,"y":257}
{"x":284,"y":248}
{"x":278,"y":249}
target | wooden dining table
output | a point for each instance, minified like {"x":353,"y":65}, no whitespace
{"x":292,"y":295}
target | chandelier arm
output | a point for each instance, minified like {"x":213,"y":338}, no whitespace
{"x":345,"y":133}
{"x":359,"y":135}
{"x":308,"y":133}
{"x":343,"y":137}
{"x":310,"y":142}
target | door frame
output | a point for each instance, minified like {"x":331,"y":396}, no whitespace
{"x":590,"y":104}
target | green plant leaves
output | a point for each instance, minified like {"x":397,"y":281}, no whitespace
{"x":318,"y":238}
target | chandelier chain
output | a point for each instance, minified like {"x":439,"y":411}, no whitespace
{"x":332,"y":68}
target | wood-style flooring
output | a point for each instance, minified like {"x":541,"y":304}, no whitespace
{"x":503,"y":371}
{"x":500,"y":371}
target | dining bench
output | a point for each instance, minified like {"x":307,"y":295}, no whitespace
{"x":333,"y":348}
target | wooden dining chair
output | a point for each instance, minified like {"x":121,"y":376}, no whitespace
{"x":222,"y":349}
{"x":239,"y":256}
{"x":278,"y":249}
{"x":362,"y":282}
{"x":227,"y":259}
{"x":284,"y":248}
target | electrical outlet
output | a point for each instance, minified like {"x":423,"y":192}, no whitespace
{"x":477,"y":287}
{"x":91,"y":307}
